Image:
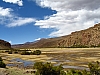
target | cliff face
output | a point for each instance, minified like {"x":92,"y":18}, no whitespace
{"x":4,"y":44}
{"x":88,"y":37}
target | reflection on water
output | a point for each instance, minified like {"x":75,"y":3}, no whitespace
{"x":23,"y":63}
{"x":75,"y":67}
{"x":20,"y":63}
{"x":56,"y":60}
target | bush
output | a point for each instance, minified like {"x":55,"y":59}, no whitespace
{"x":75,"y":72}
{"x":94,"y":68}
{"x":37,"y":52}
{"x":2,"y":64}
{"x":48,"y":69}
{"x":1,"y":59}
{"x":7,"y":51}
{"x":25,"y":53}
{"x":10,"y":52}
{"x":79,"y":46}
{"x":15,"y":52}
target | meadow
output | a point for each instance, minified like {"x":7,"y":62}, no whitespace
{"x":77,"y":58}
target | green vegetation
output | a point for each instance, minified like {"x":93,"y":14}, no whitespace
{"x":2,"y":64}
{"x":95,"y":46}
{"x":1,"y":59}
{"x":10,"y":52}
{"x":94,"y":69}
{"x":36,"y":52}
{"x":22,"y":52}
{"x":48,"y":69}
{"x":7,"y":51}
{"x":78,"y":46}
{"x":25,"y":53}
{"x":15,"y":52}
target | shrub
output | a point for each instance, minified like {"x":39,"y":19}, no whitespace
{"x":2,"y":64}
{"x":1,"y":59}
{"x":75,"y":72}
{"x":25,"y":53}
{"x":15,"y":52}
{"x":94,"y":68}
{"x":48,"y":69}
{"x":10,"y":52}
{"x":37,"y":52}
{"x":79,"y":46}
{"x":7,"y":51}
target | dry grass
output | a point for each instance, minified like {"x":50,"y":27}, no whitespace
{"x":15,"y":71}
{"x":66,"y":56}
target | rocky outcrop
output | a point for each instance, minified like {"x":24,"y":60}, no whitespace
{"x":4,"y":44}
{"x":87,"y":38}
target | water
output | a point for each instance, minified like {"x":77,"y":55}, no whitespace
{"x":75,"y":67}
{"x":24,"y":63}
{"x":20,"y":63}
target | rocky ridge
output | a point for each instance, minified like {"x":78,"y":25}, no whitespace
{"x":86,"y":38}
{"x":4,"y":44}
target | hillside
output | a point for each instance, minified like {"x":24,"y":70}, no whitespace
{"x":4,"y":44}
{"x":86,"y":38}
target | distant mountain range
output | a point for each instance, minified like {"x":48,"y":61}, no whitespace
{"x":85,"y":38}
{"x":4,"y":44}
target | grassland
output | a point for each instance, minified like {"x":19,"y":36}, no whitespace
{"x":74,"y":55}
{"x":66,"y":56}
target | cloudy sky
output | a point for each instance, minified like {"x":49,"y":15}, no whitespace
{"x":29,"y":20}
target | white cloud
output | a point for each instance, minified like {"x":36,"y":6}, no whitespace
{"x":72,"y":15}
{"x":10,"y":42}
{"x":11,"y":20}
{"x":19,"y":21}
{"x":5,"y":12}
{"x":37,"y":39}
{"x":19,"y":2}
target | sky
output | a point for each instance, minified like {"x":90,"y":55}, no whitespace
{"x":30,"y":20}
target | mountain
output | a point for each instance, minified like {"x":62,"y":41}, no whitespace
{"x":85,"y":38}
{"x":4,"y":44}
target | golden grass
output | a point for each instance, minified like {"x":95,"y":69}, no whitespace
{"x":15,"y":71}
{"x":75,"y":55}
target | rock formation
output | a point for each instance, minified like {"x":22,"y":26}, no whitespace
{"x":85,"y":38}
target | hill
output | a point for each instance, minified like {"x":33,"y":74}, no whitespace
{"x":85,"y":38}
{"x":4,"y":44}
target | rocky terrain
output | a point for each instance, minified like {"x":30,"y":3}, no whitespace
{"x":4,"y":44}
{"x":85,"y":38}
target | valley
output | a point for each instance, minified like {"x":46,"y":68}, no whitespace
{"x":78,"y":58}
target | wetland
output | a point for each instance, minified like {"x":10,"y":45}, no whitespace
{"x":77,"y":58}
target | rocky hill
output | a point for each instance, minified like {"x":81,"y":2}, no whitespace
{"x":4,"y":44}
{"x":85,"y":38}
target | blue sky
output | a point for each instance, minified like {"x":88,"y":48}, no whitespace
{"x":29,"y":20}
